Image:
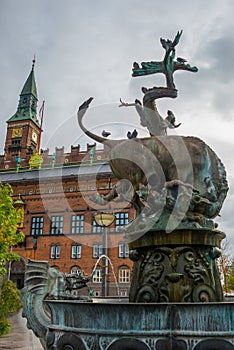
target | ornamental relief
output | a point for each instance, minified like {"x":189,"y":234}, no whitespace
{"x":179,"y":274}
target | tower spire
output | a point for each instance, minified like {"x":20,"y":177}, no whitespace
{"x":27,"y":107}
{"x":33,"y":61}
{"x":24,"y":129}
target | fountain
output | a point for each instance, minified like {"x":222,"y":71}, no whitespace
{"x":178,"y":185}
{"x":112,"y":269}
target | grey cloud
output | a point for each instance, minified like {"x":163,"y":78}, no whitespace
{"x":86,"y":48}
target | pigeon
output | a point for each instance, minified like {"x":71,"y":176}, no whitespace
{"x":144,"y":90}
{"x":181,"y":60}
{"x":137,"y":102}
{"x":171,"y":120}
{"x":136,"y":65}
{"x":166,"y":44}
{"x":132,"y":135}
{"x":106,"y":133}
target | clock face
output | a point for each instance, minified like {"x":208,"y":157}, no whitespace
{"x":17,"y":132}
{"x":34,"y":136}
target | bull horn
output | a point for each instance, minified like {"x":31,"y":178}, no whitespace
{"x":80,"y":114}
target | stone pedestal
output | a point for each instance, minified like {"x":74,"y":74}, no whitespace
{"x":176,"y":267}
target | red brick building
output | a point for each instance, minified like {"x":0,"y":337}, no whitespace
{"x":55,"y":191}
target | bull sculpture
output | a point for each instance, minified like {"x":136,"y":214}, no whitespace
{"x":170,"y":180}
{"x":171,"y":175}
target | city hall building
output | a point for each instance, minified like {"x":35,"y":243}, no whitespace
{"x":54,"y":190}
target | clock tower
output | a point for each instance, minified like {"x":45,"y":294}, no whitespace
{"x":23,"y":129}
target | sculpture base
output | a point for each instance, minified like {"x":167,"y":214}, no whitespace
{"x":176,"y":267}
{"x":100,"y":326}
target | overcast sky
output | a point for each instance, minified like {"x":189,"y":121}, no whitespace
{"x":86,"y":48}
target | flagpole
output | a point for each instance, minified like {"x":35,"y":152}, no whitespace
{"x":41,"y":113}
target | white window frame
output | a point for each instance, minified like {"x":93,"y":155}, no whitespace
{"x":97,"y":276}
{"x":77,"y":270}
{"x":96,"y":228}
{"x":76,"y":251}
{"x":56,"y":224}
{"x":121,"y":219}
{"x":97,"y":250}
{"x":55,"y":251}
{"x":124,"y":274}
{"x":77,"y":223}
{"x":123,"y":250}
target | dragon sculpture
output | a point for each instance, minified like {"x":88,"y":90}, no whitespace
{"x":45,"y":282}
{"x":176,"y":176}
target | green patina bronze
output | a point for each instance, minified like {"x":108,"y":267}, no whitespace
{"x":178,"y":185}
{"x":27,"y":107}
{"x":168,"y":66}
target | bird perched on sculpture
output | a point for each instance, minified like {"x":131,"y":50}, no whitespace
{"x":181,"y":60}
{"x":132,"y":135}
{"x":105,"y":133}
{"x":136,"y":65}
{"x":166,"y":44}
{"x":171,"y":120}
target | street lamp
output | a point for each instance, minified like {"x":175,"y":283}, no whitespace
{"x":104,"y":220}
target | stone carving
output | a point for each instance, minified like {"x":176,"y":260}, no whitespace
{"x":182,"y":273}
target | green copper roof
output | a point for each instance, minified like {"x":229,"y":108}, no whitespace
{"x":27,"y":107}
{"x":30,"y":84}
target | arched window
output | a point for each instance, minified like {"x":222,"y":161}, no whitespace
{"x":124,"y":274}
{"x":77,"y":270}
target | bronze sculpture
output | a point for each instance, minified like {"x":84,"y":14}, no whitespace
{"x":177,"y":185}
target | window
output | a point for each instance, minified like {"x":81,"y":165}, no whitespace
{"x":76,"y":251}
{"x":96,"y":228}
{"x":56,"y":226}
{"x":121,"y":219}
{"x":124,"y":274}
{"x":123,"y":293}
{"x":77,"y":270}
{"x":37,"y":225}
{"x":123,"y":250}
{"x":77,"y":224}
{"x":97,"y":250}
{"x":97,"y":276}
{"x":55,"y":251}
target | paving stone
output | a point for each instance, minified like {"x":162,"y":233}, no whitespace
{"x":20,"y":337}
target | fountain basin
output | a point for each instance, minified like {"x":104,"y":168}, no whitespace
{"x":127,"y":326}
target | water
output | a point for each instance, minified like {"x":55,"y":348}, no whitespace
{"x":112,"y":268}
